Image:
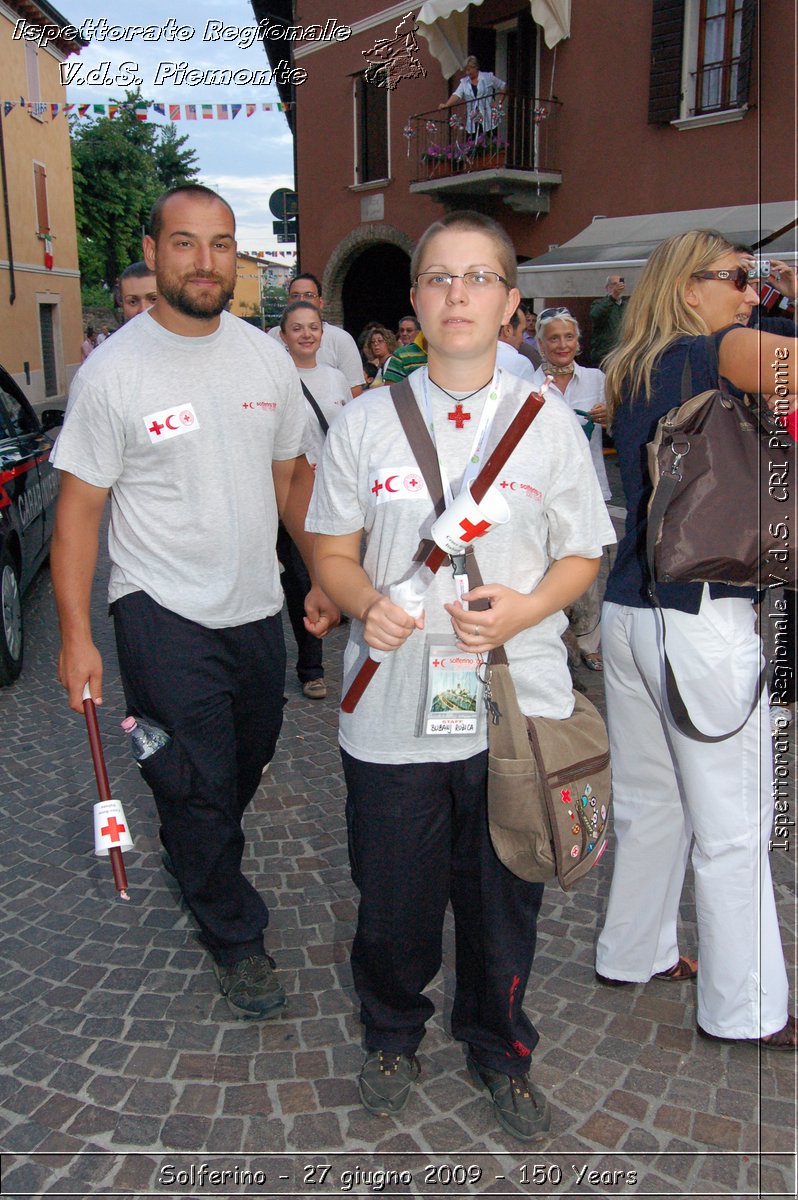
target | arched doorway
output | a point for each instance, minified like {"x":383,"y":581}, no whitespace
{"x":376,"y":287}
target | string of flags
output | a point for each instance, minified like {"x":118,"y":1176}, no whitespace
{"x":174,"y":112}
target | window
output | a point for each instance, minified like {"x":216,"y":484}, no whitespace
{"x":40,"y":189}
{"x":701,"y":56}
{"x":32,"y":68}
{"x":17,"y":420}
{"x":47,"y":320}
{"x":371,"y":131}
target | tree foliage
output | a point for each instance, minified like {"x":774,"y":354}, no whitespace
{"x":120,"y":166}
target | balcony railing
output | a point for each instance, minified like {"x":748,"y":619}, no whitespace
{"x":519,"y":135}
{"x":716,"y":87}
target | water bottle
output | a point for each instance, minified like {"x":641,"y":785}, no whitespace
{"x":145,"y":738}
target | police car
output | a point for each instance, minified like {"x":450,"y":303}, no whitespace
{"x":28,"y":490}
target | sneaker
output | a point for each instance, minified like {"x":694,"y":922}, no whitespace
{"x":251,"y":988}
{"x":385,"y":1080}
{"x":315,"y":689}
{"x":780,"y":718}
{"x":520,"y":1107}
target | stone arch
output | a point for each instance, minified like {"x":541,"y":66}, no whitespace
{"x":346,"y":253}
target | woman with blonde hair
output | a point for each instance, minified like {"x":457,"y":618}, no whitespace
{"x":669,"y":790}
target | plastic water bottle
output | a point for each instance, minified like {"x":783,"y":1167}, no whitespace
{"x":145,"y":738}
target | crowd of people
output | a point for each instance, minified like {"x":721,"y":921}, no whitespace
{"x":335,"y":522}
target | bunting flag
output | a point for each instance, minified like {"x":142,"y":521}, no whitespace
{"x":209,"y":112}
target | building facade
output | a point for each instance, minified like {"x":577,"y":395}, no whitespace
{"x":612,"y":109}
{"x":40,"y":308}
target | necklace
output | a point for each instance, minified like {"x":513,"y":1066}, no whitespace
{"x":459,"y":416}
{"x":549,"y":369}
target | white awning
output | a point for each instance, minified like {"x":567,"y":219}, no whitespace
{"x":580,"y":266}
{"x":444,"y":25}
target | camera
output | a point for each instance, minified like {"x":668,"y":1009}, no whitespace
{"x":759,"y":268}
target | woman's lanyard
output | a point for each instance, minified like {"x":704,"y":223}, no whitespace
{"x":474,"y":459}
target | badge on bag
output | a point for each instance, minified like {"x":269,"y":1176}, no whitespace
{"x":451,"y":696}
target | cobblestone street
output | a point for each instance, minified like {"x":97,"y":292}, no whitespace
{"x":123,"y":1072}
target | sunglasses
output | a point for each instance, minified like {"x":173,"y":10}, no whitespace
{"x":739,"y":277}
{"x":548,"y":313}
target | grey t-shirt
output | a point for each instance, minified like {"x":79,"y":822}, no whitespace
{"x":368,"y":479}
{"x":183,"y":430}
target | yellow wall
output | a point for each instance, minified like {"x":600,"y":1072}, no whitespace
{"x":248,"y":286}
{"x":29,"y":139}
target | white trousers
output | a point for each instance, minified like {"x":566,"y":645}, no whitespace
{"x":669,"y":789}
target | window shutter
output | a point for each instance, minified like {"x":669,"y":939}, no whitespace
{"x":746,"y":52}
{"x":665,"y":82}
{"x":40,"y":185}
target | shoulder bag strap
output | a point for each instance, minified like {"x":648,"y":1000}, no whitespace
{"x":417,"y":434}
{"x":319,"y":414}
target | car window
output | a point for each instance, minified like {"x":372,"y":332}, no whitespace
{"x":18,"y":419}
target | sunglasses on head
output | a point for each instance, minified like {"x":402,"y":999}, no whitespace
{"x":739,"y":276}
{"x":548,"y":313}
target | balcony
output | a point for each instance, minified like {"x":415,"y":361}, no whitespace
{"x":515,"y":161}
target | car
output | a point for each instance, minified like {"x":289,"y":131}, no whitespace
{"x":28,"y":491}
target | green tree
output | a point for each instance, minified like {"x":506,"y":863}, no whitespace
{"x":120,"y":166}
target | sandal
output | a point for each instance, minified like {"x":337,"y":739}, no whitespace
{"x":593,"y":662}
{"x":685,"y":968}
{"x":783,"y":1039}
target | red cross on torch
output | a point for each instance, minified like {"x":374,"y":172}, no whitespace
{"x":472,"y":531}
{"x":114,"y":828}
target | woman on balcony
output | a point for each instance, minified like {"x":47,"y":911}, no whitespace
{"x":481,"y":91}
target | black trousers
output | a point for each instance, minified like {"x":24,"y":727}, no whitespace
{"x":219,"y":693}
{"x":296,"y":585}
{"x":419,"y":838}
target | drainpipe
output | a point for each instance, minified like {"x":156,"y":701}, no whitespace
{"x":12,"y":294}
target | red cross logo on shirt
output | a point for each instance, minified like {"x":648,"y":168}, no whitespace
{"x":156,"y":428}
{"x":112,"y":829}
{"x":377,"y":487}
{"x":473,"y":531}
{"x":459,"y":416}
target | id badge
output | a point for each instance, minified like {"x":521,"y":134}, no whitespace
{"x":451,"y":703}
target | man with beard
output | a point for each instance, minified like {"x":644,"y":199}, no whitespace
{"x":194,"y":422}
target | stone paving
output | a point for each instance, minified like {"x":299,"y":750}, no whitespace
{"x":123,"y":1072}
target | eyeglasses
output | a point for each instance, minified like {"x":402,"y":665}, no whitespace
{"x":548,"y":313}
{"x":739,"y":276}
{"x":303,"y":295}
{"x":442,"y":280}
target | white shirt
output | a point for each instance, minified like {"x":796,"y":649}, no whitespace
{"x":518,"y":364}
{"x":584,"y":391}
